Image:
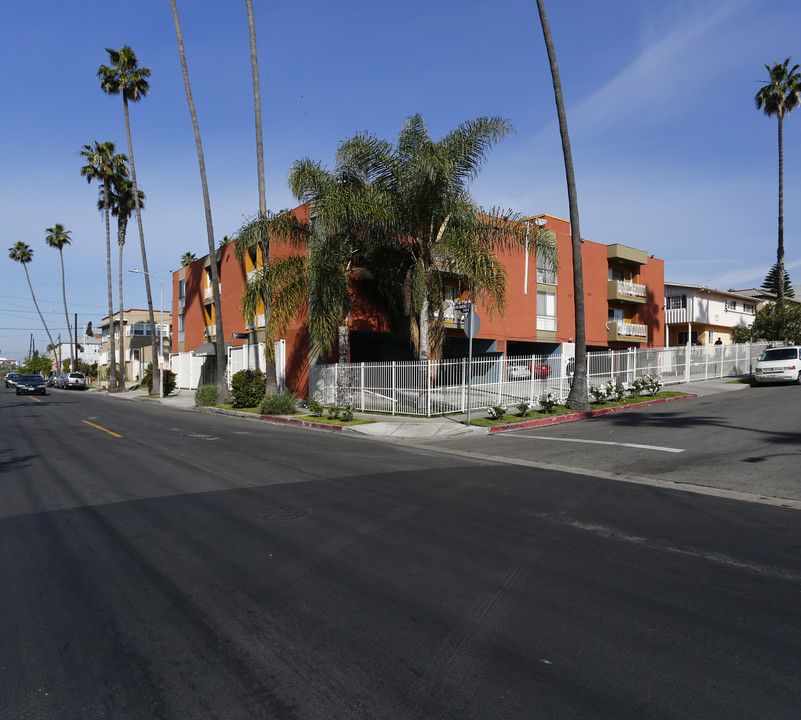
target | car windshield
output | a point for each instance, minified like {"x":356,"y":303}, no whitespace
{"x":31,"y":378}
{"x":780,"y":354}
{"x":76,"y":375}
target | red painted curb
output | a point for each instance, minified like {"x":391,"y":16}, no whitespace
{"x":572,"y":417}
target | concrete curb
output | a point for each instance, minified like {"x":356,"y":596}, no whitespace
{"x":572,"y":417}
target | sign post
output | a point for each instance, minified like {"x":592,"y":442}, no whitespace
{"x":472,"y":324}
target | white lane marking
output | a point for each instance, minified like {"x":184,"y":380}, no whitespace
{"x":598,"y":442}
{"x":713,"y":557}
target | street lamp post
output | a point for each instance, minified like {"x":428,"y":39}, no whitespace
{"x":161,"y":329}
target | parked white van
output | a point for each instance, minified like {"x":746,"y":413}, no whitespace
{"x":779,"y":364}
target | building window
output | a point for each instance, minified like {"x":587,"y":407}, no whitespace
{"x":546,"y":274}
{"x":144,"y":329}
{"x":181,"y":319}
{"x":546,"y":311}
{"x":676,"y":302}
{"x":748,"y":309}
{"x":616,"y":315}
{"x":731,"y":304}
{"x":616,"y":274}
{"x":182,"y":288}
{"x":683,"y":338}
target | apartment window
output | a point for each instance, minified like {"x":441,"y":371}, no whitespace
{"x":676,"y":302}
{"x":181,"y":320}
{"x":144,"y":329}
{"x":616,"y":315}
{"x":616,"y":274}
{"x":683,"y":338}
{"x":546,"y":274}
{"x":182,"y":288}
{"x":748,"y":309}
{"x":731,"y":304}
{"x":546,"y":303}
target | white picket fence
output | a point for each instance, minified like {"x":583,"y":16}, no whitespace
{"x":441,"y":387}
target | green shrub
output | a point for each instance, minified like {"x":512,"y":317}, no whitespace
{"x":206,"y":395}
{"x":281,"y":404}
{"x":523,"y":408}
{"x":549,"y":401}
{"x":347,"y":412}
{"x":598,"y":393}
{"x":334,"y":411}
{"x":315,"y":407}
{"x":247,"y":387}
{"x":496,"y":412}
{"x":169,"y":380}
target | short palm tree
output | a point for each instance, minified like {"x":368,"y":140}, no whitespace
{"x":124,"y":77}
{"x":337,"y":250}
{"x":57,"y":237}
{"x":418,"y":198}
{"x":187,"y":259}
{"x":222,"y":359}
{"x":102,"y":164}
{"x":253,"y":240}
{"x":23,"y":254}
{"x":780,"y":97}
{"x":578,"y":397}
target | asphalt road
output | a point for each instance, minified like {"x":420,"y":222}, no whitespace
{"x":740,"y":444}
{"x":197,"y":566}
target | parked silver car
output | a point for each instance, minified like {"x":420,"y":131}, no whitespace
{"x":74,"y":380}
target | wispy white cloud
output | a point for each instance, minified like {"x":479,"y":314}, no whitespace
{"x":649,"y":86}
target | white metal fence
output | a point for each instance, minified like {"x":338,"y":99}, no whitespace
{"x":440,"y":387}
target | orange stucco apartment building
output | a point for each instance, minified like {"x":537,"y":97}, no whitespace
{"x":624,"y":296}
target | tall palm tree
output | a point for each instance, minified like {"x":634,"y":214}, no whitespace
{"x":23,"y":254}
{"x":104,"y":163}
{"x":254,"y":62}
{"x":57,"y":237}
{"x":418,"y":197}
{"x":124,"y":77}
{"x":578,"y":397}
{"x":121,"y":202}
{"x":187,"y":259}
{"x":780,"y":97}
{"x":222,"y":386}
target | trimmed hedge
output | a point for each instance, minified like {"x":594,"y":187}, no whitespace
{"x":206,"y":395}
{"x":247,"y":387}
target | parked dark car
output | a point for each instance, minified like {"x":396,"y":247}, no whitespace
{"x":31,"y":385}
{"x":11,"y":379}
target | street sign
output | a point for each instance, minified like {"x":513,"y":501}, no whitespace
{"x":239,"y":336}
{"x":472,"y":324}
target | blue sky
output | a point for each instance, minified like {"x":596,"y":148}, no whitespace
{"x":670,"y":154}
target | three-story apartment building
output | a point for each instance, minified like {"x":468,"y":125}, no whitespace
{"x":623,"y":290}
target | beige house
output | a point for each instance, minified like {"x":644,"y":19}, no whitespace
{"x":698,"y":315}
{"x":138,"y":348}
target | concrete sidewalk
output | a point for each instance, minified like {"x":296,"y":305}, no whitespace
{"x":402,"y":427}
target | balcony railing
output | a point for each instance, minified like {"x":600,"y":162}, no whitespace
{"x":627,"y":291}
{"x":627,"y":332}
{"x":546,"y":323}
